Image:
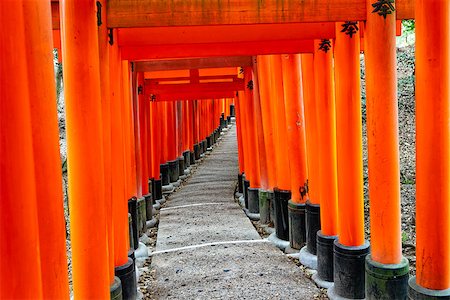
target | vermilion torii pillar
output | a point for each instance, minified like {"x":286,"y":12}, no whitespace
{"x":432,"y":279}
{"x":29,"y":143}
{"x":119,"y":196}
{"x":282,"y":192}
{"x":350,"y":248}
{"x":308,"y":253}
{"x":295,"y":126}
{"x":106,"y":128}
{"x":252,"y":160}
{"x":85,"y":158}
{"x":259,"y":140}
{"x":326,"y":125}
{"x":385,"y":264}
{"x":266,"y":196}
{"x":47,"y":164}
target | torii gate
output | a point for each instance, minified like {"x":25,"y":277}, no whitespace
{"x":99,"y":40}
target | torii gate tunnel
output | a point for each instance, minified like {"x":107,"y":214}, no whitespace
{"x":148,"y":87}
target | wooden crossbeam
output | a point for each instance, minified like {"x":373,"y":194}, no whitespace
{"x":224,"y":33}
{"x":192,"y":91}
{"x":149,"y":13}
{"x":229,"y":78}
{"x":155,"y":89}
{"x":194,"y":96}
{"x":157,"y":13}
{"x":216,"y":49}
{"x":193,"y":63}
{"x":186,"y":73}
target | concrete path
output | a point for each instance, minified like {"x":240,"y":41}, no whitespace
{"x":208,"y":249}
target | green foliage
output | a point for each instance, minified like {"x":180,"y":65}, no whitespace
{"x":409,"y":26}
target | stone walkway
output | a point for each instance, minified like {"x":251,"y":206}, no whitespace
{"x":208,"y":249}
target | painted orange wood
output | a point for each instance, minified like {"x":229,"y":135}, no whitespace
{"x":216,"y":49}
{"x":433,"y":143}
{"x":149,"y":13}
{"x":141,"y":36}
{"x":193,"y":87}
{"x":382,"y":135}
{"x":349,"y":138}
{"x":84,"y":152}
{"x":193,"y":63}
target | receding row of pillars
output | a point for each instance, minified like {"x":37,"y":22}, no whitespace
{"x":299,"y":126}
{"x":118,"y":145}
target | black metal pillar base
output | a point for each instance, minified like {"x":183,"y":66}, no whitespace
{"x":270,"y":199}
{"x":156,"y":190}
{"x":204,"y":145}
{"x":181,"y":166}
{"x":228,"y":120}
{"x":192,"y":157}
{"x":246,"y":186}
{"x":281,"y":213}
{"x":418,"y":292}
{"x":174,"y":173}
{"x":115,"y":289}
{"x":187,"y":159}
{"x":297,"y":224}
{"x":240,"y":184}
{"x":148,"y":207}
{"x":312,"y":226}
{"x":197,"y":151}
{"x":253,"y":200}
{"x":208,"y":141}
{"x":325,"y":256}
{"x":232,"y":111}
{"x":132,"y":210}
{"x":127,"y":276}
{"x":264,"y":207}
{"x":386,"y":281}
{"x":141,"y":216}
{"x":130,"y":231}
{"x":349,"y":270}
{"x":164,"y":169}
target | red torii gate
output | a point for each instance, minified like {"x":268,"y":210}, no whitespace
{"x":432,"y":29}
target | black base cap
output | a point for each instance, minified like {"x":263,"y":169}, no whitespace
{"x":297,"y":224}
{"x":349,"y":270}
{"x":240,"y":184}
{"x":192,"y":157}
{"x":187,"y":159}
{"x":253,"y":200}
{"x":325,"y":256}
{"x":132,"y":210}
{"x":174,"y":173}
{"x":115,"y":290}
{"x":417,"y":292}
{"x":312,"y":226}
{"x":130,"y":232}
{"x":246,"y":186}
{"x":148,"y":207}
{"x":281,"y":198}
{"x":164,"y":169}
{"x":141,"y":216}
{"x":386,"y":281}
{"x":232,"y":110}
{"x":209,"y":141}
{"x":204,"y":145}
{"x":127,"y":276}
{"x":197,"y":151}
{"x":156,"y":190}
{"x":181,"y":166}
